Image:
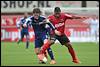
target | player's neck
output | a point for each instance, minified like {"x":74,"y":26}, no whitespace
{"x":57,"y":17}
{"x":36,"y":18}
{"x":25,"y":17}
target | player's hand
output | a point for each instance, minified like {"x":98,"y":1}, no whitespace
{"x":24,"y":25}
{"x":83,"y":17}
{"x":57,"y":33}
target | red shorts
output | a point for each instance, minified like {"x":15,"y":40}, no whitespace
{"x":63,"y":39}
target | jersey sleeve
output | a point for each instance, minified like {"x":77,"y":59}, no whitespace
{"x":18,"y":23}
{"x":46,"y":21}
{"x":28,"y":21}
{"x":49,"y":18}
{"x":50,"y":24}
{"x":68,"y":16}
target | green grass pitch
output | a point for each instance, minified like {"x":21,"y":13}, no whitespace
{"x":13,"y":54}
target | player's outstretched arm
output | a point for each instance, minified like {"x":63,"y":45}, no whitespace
{"x":50,"y":24}
{"x":18,"y":25}
{"x":79,"y":17}
{"x":53,"y":28}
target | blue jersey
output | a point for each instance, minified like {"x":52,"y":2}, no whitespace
{"x":20,"y":24}
{"x":38,"y":24}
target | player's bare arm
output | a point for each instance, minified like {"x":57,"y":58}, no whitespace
{"x":79,"y":17}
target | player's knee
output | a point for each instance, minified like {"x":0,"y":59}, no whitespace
{"x":46,"y":41}
{"x":49,"y":49}
{"x":37,"y":50}
{"x":52,"y":42}
{"x":68,"y":44}
{"x":27,"y":37}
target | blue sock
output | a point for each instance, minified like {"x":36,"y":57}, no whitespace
{"x":27,"y":41}
{"x":50,"y":53}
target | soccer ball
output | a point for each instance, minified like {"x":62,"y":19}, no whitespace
{"x":44,"y":59}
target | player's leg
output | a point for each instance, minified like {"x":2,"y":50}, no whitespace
{"x":22,"y":36}
{"x":37,"y":52}
{"x":93,"y":34}
{"x":19,"y":36}
{"x":52,"y":41}
{"x":37,"y":47}
{"x":49,"y":50}
{"x":96,"y":36}
{"x":45,"y":46}
{"x":47,"y":43}
{"x":27,"y":39}
{"x":51,"y":56}
{"x":44,"y":36}
{"x":65,"y":41}
{"x":72,"y":53}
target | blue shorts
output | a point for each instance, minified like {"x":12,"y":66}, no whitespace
{"x":24,"y":32}
{"x":39,"y":40}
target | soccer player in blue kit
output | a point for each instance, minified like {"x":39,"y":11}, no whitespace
{"x":23,"y":30}
{"x":40,"y":31}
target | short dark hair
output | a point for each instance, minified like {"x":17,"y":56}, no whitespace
{"x":57,"y":9}
{"x":36,"y":10}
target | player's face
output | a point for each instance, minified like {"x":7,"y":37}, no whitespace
{"x":36,"y":15}
{"x":57,"y":14}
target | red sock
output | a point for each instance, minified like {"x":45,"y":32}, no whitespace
{"x":72,"y":52}
{"x":44,"y":47}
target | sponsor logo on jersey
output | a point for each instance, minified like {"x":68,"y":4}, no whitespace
{"x":59,"y":25}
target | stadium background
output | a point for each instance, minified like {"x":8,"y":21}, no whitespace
{"x":11,"y":11}
{"x":13,"y":54}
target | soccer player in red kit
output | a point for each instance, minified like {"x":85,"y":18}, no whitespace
{"x":58,"y":20}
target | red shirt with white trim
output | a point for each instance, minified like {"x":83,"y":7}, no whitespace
{"x":59,"y":23}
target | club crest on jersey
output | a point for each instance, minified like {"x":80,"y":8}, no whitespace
{"x":59,"y":25}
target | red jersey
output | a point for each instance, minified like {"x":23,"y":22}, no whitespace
{"x":59,"y":23}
